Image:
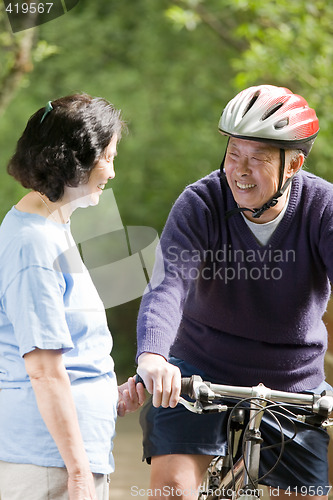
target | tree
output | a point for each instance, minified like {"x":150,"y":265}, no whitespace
{"x":15,"y":59}
{"x":19,"y":52}
{"x":280,"y":42}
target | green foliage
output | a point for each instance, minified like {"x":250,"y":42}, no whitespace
{"x":290,"y":43}
{"x":182,"y":18}
{"x":44,"y":50}
{"x":284,"y":43}
{"x":165,"y":83}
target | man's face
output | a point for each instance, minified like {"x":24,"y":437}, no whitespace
{"x":252,"y":169}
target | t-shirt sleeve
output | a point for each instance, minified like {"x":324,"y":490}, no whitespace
{"x":33,"y":302}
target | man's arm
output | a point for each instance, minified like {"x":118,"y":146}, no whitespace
{"x":183,"y":242}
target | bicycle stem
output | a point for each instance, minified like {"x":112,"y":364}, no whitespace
{"x":252,"y":444}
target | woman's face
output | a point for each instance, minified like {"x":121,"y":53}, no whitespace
{"x":88,"y":193}
{"x":102,"y":172}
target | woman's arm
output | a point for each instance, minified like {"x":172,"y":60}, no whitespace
{"x":51,"y":385}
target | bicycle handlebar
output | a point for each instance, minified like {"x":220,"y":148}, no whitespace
{"x":206,"y":392}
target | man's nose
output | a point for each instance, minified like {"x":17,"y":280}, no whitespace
{"x":243,"y":167}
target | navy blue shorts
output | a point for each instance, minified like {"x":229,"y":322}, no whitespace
{"x":304,"y":461}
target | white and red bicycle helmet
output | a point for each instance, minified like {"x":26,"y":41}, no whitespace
{"x":274,"y":115}
{"x":271,"y":114}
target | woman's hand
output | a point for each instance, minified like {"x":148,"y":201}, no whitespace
{"x":81,"y":487}
{"x":131,"y":396}
{"x":162,"y":379}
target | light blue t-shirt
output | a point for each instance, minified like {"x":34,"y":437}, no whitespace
{"x":48,"y":300}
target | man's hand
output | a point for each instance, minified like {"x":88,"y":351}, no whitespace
{"x":131,"y":397}
{"x":162,"y":379}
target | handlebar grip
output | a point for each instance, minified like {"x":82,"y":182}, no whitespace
{"x":185,"y":389}
{"x":138,"y":380}
{"x":186,"y":384}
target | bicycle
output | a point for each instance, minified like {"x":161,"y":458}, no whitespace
{"x":236,"y":476}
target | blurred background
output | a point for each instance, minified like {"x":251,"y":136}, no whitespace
{"x":171,"y":66}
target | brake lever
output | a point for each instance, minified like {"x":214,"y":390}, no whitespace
{"x":315,"y":420}
{"x":327,"y":423}
{"x":195,"y":407}
{"x":199,"y":408}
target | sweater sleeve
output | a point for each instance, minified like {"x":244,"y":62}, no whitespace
{"x":184,"y":238}
{"x":326,"y":239}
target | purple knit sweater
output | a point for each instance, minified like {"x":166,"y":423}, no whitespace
{"x":242,"y":312}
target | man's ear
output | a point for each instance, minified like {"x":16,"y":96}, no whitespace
{"x":296,"y":163}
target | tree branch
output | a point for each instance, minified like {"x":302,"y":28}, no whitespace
{"x":22,"y":64}
{"x":219,"y":28}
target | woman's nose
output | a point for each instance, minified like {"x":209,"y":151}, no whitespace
{"x":112,"y":173}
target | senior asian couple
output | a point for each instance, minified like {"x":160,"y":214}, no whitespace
{"x":59,"y":398}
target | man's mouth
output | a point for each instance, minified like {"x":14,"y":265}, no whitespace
{"x":101,"y":186}
{"x":245,"y":186}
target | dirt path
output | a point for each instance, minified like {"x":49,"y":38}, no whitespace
{"x":131,"y":477}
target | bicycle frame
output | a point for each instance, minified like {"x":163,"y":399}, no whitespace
{"x":241,"y":477}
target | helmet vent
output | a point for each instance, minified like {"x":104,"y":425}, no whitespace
{"x":281,"y":124}
{"x":272,"y":110}
{"x":251,"y":103}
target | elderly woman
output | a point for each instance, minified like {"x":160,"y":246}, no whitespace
{"x":58,"y":402}
{"x":248,"y":254}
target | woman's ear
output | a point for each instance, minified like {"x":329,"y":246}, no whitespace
{"x":295,"y":164}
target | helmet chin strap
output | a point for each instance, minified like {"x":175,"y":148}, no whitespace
{"x":257,"y":212}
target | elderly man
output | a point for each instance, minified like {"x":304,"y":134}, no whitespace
{"x":248,"y":256}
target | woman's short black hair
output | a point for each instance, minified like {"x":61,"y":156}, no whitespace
{"x":62,"y":148}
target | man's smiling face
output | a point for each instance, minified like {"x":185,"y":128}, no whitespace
{"x":253,"y":169}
